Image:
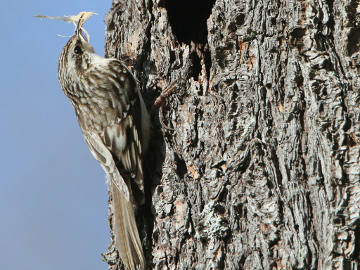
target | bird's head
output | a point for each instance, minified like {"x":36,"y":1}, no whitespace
{"x":76,"y":57}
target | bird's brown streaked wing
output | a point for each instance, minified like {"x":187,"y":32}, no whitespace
{"x":123,"y":140}
{"x":123,"y":137}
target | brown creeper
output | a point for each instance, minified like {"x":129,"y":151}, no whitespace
{"x":115,"y":124}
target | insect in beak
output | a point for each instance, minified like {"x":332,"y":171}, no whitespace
{"x":77,"y":20}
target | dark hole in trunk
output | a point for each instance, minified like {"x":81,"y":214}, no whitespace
{"x":188,"y":19}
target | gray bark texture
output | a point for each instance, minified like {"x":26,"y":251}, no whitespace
{"x":254,"y":160}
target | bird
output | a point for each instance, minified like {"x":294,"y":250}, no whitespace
{"x":115,"y":123}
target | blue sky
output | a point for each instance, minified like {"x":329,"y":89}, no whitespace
{"x":53,"y":196}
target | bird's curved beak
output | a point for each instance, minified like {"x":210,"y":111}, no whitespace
{"x":78,"y":27}
{"x":79,"y":30}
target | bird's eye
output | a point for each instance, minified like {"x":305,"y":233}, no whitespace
{"x":78,"y":50}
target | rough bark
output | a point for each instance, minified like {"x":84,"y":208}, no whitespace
{"x":255,"y":157}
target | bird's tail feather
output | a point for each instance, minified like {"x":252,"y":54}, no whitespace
{"x":127,"y":238}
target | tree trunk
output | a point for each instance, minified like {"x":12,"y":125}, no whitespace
{"x":254,"y":162}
